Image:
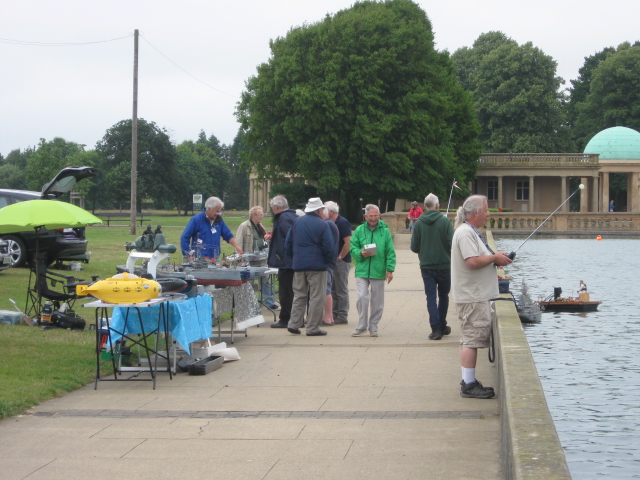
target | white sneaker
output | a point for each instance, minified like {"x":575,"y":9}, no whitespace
{"x":357,"y":332}
{"x":373,"y":334}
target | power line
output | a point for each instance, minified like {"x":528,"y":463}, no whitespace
{"x":188,"y":73}
{"x":58,"y":44}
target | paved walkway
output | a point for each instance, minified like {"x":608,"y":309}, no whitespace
{"x":293,"y":407}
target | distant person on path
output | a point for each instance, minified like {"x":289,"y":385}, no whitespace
{"x":311,"y":246}
{"x":340,"y":288}
{"x":431,"y":240}
{"x":414,"y":213}
{"x":252,"y":237}
{"x":611,"y":206}
{"x":373,"y":267}
{"x":283,"y":218}
{"x":204,"y":230}
{"x":475,"y":282}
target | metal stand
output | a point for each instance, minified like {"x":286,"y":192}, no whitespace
{"x":139,"y":339}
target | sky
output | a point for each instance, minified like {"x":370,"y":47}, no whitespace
{"x":66,"y":67}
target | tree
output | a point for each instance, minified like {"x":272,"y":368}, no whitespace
{"x":613,"y":97}
{"x":237,"y":196}
{"x":515,"y":90}
{"x":48,"y":159}
{"x":361,"y":102}
{"x":200,"y":170}
{"x":156,"y":164}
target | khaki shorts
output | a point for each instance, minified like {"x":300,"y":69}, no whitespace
{"x":475,"y":324}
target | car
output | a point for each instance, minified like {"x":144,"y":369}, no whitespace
{"x":5,"y":258}
{"x":67,"y":244}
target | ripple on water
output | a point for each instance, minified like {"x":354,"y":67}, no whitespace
{"x":587,"y":363}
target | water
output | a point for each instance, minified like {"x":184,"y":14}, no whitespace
{"x":587,"y":362}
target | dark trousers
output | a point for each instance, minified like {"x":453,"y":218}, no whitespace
{"x":285,"y":279}
{"x":437,"y":284}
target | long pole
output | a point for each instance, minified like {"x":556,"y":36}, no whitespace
{"x":134,"y":139}
{"x":512,"y":255}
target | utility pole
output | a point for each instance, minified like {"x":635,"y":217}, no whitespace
{"x":134,"y":139}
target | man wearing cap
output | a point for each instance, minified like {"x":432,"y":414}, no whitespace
{"x":310,"y":243}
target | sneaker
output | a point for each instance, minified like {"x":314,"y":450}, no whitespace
{"x":446,"y":331}
{"x":475,"y":390}
{"x":373,"y":334}
{"x":357,"y":332}
{"x":435,"y":335}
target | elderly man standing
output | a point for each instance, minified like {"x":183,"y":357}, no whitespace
{"x":431,"y":240}
{"x":204,"y":231}
{"x":475,"y":284}
{"x":283,"y":219}
{"x":372,"y":248}
{"x":340,"y":287}
{"x":311,"y":246}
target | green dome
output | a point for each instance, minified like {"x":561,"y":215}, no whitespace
{"x":615,"y":143}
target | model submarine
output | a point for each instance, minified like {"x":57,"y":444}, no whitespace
{"x":122,"y":288}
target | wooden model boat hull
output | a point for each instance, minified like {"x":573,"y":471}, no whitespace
{"x":569,"y":306}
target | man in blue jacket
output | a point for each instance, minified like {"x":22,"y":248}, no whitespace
{"x":311,"y":246}
{"x":204,"y":231}
{"x":283,"y":219}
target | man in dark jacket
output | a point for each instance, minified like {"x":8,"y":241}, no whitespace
{"x":311,"y":246}
{"x":431,"y":240}
{"x":283,"y":219}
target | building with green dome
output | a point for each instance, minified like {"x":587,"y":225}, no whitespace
{"x":618,"y":150}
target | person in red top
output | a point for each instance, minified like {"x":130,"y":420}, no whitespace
{"x":414,"y":214}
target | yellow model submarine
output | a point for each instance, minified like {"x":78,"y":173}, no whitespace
{"x":122,"y":288}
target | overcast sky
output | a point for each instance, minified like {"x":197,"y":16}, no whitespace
{"x":195,"y":55}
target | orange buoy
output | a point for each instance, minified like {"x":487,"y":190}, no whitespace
{"x":598,"y":238}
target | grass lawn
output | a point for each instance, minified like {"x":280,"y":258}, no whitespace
{"x":41,"y":364}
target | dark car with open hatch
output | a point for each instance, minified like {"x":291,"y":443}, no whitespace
{"x":67,"y":244}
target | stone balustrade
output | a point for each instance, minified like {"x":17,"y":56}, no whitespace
{"x":572,"y":223}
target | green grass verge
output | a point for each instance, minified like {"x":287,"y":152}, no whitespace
{"x":37,"y":364}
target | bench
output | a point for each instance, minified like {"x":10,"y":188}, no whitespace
{"x":108,"y":217}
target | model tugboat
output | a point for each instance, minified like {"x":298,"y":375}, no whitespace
{"x":559,"y":303}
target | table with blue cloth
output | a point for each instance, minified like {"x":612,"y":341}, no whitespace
{"x":189,"y":320}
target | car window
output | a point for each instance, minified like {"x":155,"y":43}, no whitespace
{"x":4,"y":201}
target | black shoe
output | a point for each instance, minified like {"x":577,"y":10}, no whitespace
{"x":446,"y":331}
{"x":340,"y":322}
{"x":315,"y":334}
{"x":279,"y":325}
{"x":435,"y":335}
{"x":294,"y":330}
{"x":273,"y":307}
{"x":475,"y":390}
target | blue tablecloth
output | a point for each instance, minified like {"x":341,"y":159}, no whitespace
{"x":189,"y":320}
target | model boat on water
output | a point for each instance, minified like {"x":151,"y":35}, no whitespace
{"x":528,"y":310}
{"x":558,"y":303}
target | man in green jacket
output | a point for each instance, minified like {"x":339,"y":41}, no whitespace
{"x":431,"y":240}
{"x":372,"y":249}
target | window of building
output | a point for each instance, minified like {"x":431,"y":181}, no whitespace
{"x":522,"y":190}
{"x":492,"y":190}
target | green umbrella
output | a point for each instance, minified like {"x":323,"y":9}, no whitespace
{"x":49,"y":214}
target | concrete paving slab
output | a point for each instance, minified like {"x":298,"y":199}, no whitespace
{"x":293,"y":407}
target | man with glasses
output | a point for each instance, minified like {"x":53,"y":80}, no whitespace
{"x":204,"y":230}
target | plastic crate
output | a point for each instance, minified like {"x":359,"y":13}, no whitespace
{"x":9,"y":317}
{"x":206,"y":365}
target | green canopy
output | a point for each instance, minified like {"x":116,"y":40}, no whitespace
{"x":49,"y":214}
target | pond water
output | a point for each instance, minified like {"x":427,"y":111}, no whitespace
{"x":588,"y":362}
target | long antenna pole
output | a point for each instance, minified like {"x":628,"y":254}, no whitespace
{"x":134,"y":139}
{"x":512,"y":255}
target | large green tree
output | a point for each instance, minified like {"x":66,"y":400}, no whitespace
{"x":48,"y":159}
{"x":607,"y":94}
{"x":361,"y":102}
{"x":156,"y":165}
{"x":516,"y":94}
{"x":200,"y":170}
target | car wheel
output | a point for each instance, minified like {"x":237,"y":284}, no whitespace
{"x":17,"y":250}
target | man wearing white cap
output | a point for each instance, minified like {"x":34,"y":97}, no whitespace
{"x":311,"y":245}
